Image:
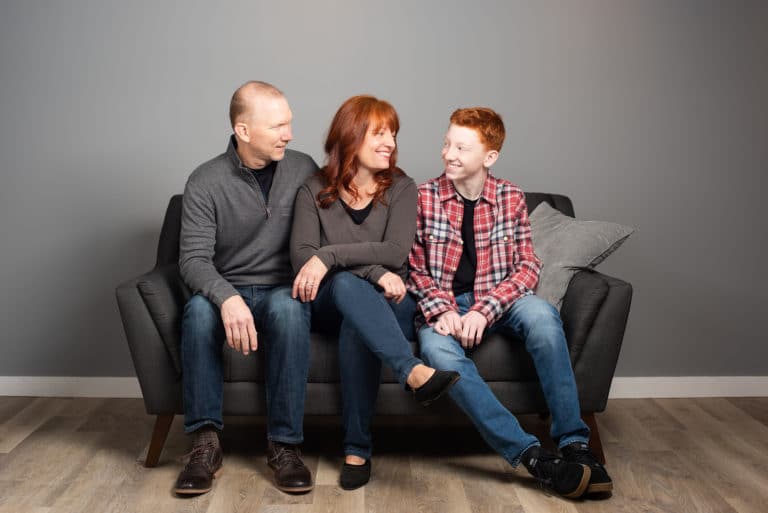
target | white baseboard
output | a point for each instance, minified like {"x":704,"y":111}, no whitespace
{"x":689,"y":386}
{"x":65,"y":386}
{"x":622,"y":388}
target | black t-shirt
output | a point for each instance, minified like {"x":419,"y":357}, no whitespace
{"x":264,"y":176}
{"x":464,"y":281}
{"x":358,"y":216}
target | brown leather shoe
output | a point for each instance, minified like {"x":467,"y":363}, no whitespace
{"x":204,"y":465}
{"x":291,"y":475}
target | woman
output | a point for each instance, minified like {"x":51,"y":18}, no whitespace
{"x":356,"y":218}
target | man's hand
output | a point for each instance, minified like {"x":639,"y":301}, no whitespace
{"x":308,"y":280}
{"x":393,"y":286}
{"x":238,"y":325}
{"x":449,"y":323}
{"x":473,"y":325}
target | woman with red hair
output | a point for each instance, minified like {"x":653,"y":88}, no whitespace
{"x":354,"y":224}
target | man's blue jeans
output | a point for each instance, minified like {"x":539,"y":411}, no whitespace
{"x":282,"y":325}
{"x":372,"y":330}
{"x":538,"y":324}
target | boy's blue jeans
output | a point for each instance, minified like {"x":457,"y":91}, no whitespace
{"x":538,"y":324}
{"x":282,"y":326}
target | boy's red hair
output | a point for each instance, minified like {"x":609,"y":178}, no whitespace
{"x":486,"y":122}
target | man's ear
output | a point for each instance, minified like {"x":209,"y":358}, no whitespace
{"x":490,"y":158}
{"x":242,"y":132}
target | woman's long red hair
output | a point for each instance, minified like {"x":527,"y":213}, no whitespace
{"x":352,"y":121}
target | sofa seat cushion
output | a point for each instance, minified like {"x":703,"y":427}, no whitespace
{"x":323,"y":363}
{"x":498,"y":358}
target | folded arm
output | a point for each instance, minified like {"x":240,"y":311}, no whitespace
{"x":392,"y":251}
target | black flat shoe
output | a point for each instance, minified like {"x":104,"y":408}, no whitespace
{"x":355,"y":476}
{"x":440,"y":382}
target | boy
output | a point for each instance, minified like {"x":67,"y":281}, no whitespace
{"x":474,"y":271}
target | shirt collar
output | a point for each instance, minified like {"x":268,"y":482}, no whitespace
{"x":446,"y":189}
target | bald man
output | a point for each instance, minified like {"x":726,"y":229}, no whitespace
{"x":235,"y":224}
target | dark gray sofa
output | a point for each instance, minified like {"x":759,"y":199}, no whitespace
{"x":594,"y":313}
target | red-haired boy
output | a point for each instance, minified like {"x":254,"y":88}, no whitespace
{"x":474,"y":271}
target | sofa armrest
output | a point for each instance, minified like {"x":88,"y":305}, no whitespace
{"x":583,"y":299}
{"x":150,"y":307}
{"x":596,"y":360}
{"x":165,"y":295}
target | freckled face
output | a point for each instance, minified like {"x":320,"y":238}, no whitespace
{"x":464,"y":156}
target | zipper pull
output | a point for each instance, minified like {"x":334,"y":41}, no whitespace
{"x":269,"y":212}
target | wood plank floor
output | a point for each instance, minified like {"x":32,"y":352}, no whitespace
{"x":666,"y":455}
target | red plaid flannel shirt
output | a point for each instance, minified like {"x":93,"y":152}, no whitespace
{"x":507,"y":267}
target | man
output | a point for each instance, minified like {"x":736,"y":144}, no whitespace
{"x":236,"y":219}
{"x":473,"y":271}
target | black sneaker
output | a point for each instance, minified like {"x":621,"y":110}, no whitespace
{"x":566,"y":478}
{"x":579,"y":452}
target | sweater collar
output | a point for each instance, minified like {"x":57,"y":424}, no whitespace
{"x":235,"y":158}
{"x":232,"y":154}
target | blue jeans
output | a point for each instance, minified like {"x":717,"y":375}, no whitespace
{"x":538,"y":323}
{"x":282,"y":325}
{"x":372,"y":330}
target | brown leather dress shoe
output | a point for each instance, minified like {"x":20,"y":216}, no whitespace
{"x":204,"y":465}
{"x":291,"y":475}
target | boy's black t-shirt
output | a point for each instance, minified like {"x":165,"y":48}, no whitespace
{"x":464,"y":281}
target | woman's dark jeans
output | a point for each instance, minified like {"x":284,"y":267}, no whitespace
{"x":372,"y":330}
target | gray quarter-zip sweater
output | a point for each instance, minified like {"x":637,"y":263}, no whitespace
{"x":229,"y":235}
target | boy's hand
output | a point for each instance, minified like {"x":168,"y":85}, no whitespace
{"x":473,"y":325}
{"x":449,"y":323}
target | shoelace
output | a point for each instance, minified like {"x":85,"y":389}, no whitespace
{"x":287,"y":455}
{"x":583,"y":456}
{"x":200,"y":454}
{"x":543,"y":459}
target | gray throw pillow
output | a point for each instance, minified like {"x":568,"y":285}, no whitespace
{"x":565,"y":245}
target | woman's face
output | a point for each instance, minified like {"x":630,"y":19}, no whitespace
{"x":376,"y":151}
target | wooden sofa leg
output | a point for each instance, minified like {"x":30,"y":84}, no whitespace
{"x":159,"y":435}
{"x":595,"y":445}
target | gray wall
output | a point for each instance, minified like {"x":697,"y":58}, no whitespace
{"x":648,"y":113}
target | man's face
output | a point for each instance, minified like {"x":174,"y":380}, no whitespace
{"x":464,"y":156}
{"x":269,"y":128}
{"x":376,"y":150}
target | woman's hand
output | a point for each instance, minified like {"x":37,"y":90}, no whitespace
{"x":393,"y":286}
{"x":308,"y":280}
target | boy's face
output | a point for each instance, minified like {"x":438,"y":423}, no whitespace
{"x":464,"y":156}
